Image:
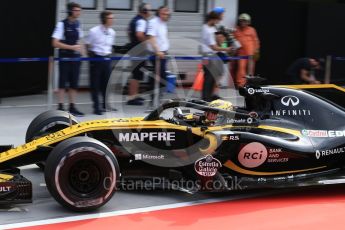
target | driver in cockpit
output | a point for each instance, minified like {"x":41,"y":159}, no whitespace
{"x":211,"y":117}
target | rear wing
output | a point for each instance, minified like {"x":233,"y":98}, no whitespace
{"x":330,"y":92}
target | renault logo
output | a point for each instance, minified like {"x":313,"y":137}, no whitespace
{"x":318,"y":154}
{"x":290,"y":100}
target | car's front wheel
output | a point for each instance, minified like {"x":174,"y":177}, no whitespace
{"x":81,"y":174}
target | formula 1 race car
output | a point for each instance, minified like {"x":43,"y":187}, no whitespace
{"x":284,"y":136}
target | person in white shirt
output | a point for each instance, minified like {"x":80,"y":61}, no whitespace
{"x":100,"y":43}
{"x":66,"y":37}
{"x":212,"y":68}
{"x":158,"y":42}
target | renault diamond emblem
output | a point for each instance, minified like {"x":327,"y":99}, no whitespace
{"x":318,"y":154}
{"x":290,"y":100}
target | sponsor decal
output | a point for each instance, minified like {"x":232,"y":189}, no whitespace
{"x":249,"y":120}
{"x":290,"y":100}
{"x":252,"y":91}
{"x":207,"y":166}
{"x":290,"y":177}
{"x":276,"y":158}
{"x":253,"y":155}
{"x":235,"y":120}
{"x":276,"y":155}
{"x":5,"y":188}
{"x":144,"y":136}
{"x":278,"y":150}
{"x":279,"y":178}
{"x":323,"y":133}
{"x":53,"y":136}
{"x":231,"y":138}
{"x":329,"y":152}
{"x":138,"y":157}
{"x":148,"y":156}
{"x":291,"y":112}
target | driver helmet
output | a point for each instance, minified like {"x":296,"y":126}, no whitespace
{"x":219,"y":104}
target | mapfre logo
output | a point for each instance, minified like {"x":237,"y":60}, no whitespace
{"x":290,"y":100}
{"x":252,"y":155}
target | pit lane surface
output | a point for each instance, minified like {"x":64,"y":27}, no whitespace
{"x":311,"y":208}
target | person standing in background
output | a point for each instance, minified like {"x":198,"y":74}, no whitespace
{"x":158,"y":43}
{"x":100,"y":43}
{"x":213,"y":66}
{"x":304,"y":71}
{"x":220,"y":11}
{"x":250,"y":46}
{"x":66,"y":37}
{"x":137,"y":34}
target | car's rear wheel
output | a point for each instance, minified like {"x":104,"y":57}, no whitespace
{"x":81,"y":173}
{"x":46,"y":123}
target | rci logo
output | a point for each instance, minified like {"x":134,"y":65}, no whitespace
{"x":252,"y":155}
{"x":290,"y":100}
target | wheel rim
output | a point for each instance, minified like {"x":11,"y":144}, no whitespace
{"x":85,"y":177}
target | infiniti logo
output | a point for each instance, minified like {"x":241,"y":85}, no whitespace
{"x":290,"y":100}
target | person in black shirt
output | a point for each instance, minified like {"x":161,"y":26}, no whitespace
{"x":137,"y":34}
{"x":66,"y":37}
{"x":303,"y":71}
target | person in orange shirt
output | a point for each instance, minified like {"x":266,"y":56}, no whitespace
{"x":250,"y":46}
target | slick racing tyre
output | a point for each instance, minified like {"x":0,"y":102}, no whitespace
{"x":46,"y":123}
{"x":81,"y":174}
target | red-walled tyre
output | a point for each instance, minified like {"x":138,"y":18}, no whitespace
{"x":81,"y":173}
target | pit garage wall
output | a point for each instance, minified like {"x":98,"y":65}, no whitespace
{"x":184,"y":29}
{"x":326,"y":35}
{"x":290,"y":29}
{"x":25,"y":32}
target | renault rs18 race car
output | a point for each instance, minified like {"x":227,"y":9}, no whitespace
{"x":284,"y":136}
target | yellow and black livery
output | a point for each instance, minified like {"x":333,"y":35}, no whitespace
{"x":282,"y":136}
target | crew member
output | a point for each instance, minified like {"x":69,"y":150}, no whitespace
{"x":100,"y":41}
{"x":250,"y":46}
{"x":304,"y":71}
{"x":220,"y":11}
{"x":158,"y":43}
{"x":213,"y":68}
{"x":66,"y":38}
{"x":137,"y":34}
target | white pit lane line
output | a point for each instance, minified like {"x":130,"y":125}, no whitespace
{"x":130,"y":211}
